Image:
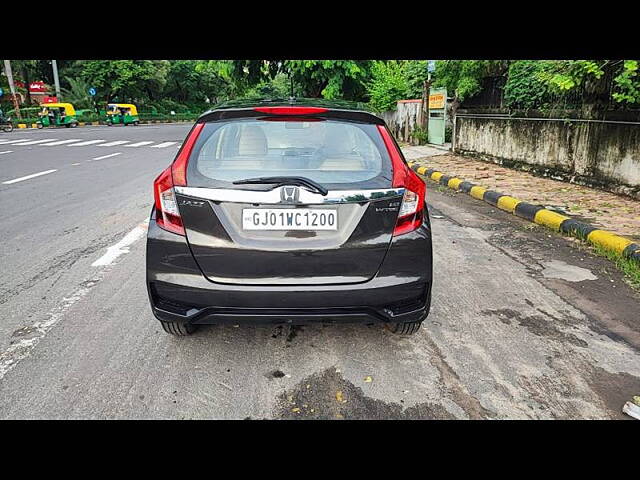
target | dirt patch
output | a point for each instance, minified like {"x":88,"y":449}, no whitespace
{"x":614,"y":389}
{"x":327,"y":395}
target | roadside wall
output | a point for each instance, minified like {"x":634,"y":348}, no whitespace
{"x":408,"y":114}
{"x":403,"y":120}
{"x":603,"y":154}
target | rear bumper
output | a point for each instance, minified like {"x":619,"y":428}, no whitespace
{"x":179,"y":292}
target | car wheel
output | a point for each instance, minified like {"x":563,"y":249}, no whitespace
{"x":178,"y":329}
{"x":407,"y":328}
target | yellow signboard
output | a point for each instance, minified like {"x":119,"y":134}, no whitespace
{"x":436,"y":101}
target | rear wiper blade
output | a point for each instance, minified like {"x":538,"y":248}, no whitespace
{"x":279,"y":181}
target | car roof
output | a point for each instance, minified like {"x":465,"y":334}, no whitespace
{"x":354,"y":111}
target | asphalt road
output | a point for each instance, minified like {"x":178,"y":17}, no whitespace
{"x":523,"y":323}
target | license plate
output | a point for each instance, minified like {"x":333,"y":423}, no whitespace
{"x":289,"y":219}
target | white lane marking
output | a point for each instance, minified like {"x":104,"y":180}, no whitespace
{"x":61,"y":142}
{"x":34,"y":142}
{"x":139,"y":144}
{"x":106,"y":156}
{"x":21,"y":349}
{"x":163,"y":145}
{"x":74,"y":164}
{"x":112,"y":144}
{"x":6,"y":151}
{"x":122,"y":246}
{"x":33,"y":175}
{"x":6,"y":142}
{"x":88,"y":142}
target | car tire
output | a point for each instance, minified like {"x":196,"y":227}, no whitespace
{"x":406,"y":328}
{"x":178,"y":329}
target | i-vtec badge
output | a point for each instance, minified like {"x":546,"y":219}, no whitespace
{"x":289,"y":195}
{"x":191,"y":203}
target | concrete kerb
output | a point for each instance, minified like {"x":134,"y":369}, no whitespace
{"x":536,"y":213}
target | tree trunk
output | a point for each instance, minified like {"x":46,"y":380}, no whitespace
{"x":27,"y":81}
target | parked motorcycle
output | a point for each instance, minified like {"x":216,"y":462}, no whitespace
{"x":6,"y":125}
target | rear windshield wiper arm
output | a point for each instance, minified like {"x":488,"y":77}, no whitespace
{"x":279,"y":181}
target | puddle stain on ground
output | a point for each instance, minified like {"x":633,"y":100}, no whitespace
{"x":315,"y":397}
{"x":564,"y":271}
{"x":536,"y":324}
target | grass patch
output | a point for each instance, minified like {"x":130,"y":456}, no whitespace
{"x":630,"y":268}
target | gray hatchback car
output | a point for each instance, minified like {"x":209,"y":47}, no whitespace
{"x":290,"y":212}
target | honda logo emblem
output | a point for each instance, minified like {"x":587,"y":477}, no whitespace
{"x":289,"y":194}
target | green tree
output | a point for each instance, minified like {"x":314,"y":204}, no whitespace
{"x":596,"y":79}
{"x":77,"y":93}
{"x":417,"y":73}
{"x":126,"y":80}
{"x":525,"y":87}
{"x":388,"y":85}
{"x":627,"y":83}
{"x":331,"y":79}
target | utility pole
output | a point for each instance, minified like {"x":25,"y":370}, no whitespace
{"x":12,"y":87}
{"x":56,"y":81}
{"x":426,"y":87}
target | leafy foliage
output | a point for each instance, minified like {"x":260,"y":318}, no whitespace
{"x":565,"y":75}
{"x":462,"y":78}
{"x":388,"y":85}
{"x":417,"y":74}
{"x":525,"y":87}
{"x":78,"y":93}
{"x":628,"y":84}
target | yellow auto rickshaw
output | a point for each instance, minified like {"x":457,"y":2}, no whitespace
{"x":57,"y":114}
{"x":122,"y":113}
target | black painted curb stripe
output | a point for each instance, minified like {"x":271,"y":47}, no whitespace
{"x":632,"y":251}
{"x":492,"y":197}
{"x":576,"y":228}
{"x":466,"y":186}
{"x":527,"y":211}
{"x":444,"y":180}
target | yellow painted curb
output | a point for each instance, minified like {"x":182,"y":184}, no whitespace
{"x":477,"y":192}
{"x":33,"y":125}
{"x":608,"y":240}
{"x":435,"y":176}
{"x":22,"y":125}
{"x":454,"y":183}
{"x":95,"y":123}
{"x":421,"y":170}
{"x":549,"y":219}
{"x":508,"y":203}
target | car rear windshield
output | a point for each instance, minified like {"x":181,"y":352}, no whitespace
{"x":330,"y":152}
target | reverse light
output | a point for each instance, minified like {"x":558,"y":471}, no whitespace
{"x":411,"y":211}
{"x":167,"y":212}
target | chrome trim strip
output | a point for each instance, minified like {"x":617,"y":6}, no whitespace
{"x":273,"y":197}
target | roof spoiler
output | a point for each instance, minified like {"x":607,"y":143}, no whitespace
{"x":328,"y":113}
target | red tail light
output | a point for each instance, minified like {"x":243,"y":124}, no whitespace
{"x":167,"y":212}
{"x":291,"y":110}
{"x":412,"y":208}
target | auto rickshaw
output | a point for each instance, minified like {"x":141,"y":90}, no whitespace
{"x":57,"y":114}
{"x":122,"y":113}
